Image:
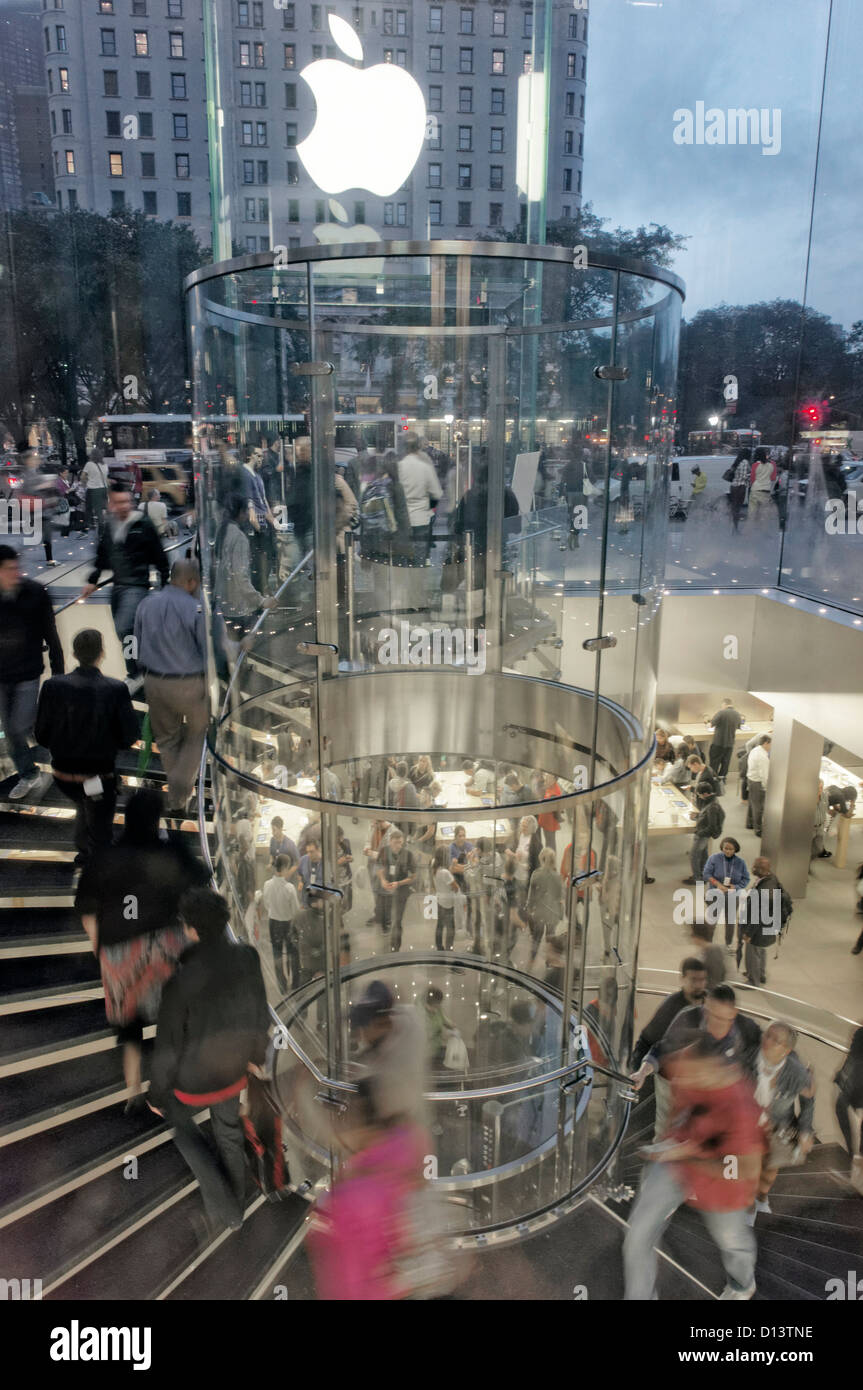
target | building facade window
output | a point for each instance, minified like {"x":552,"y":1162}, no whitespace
{"x":465,"y":99}
{"x":115,"y":164}
{"x":248,"y":171}
{"x":292,"y":169}
{"x":67,"y":121}
{"x":464,"y":218}
{"x":63,"y":79}
{"x":495,"y":214}
{"x":465,"y":137}
{"x":178,"y":86}
{"x":570,"y":64}
{"x":289,"y":17}
{"x":290,"y":55}
{"x":435,"y":213}
{"x":109,"y":42}
{"x":572,"y":27}
{"x":497,"y":101}
{"x":72,"y":195}
{"x":434,"y":176}
{"x":567,"y":142}
{"x":110,"y":83}
{"x":151,"y":205}
{"x":181,"y":127}
{"x":465,"y":60}
{"x":465,"y":179}
{"x":145,"y":125}
{"x":141,"y":43}
{"x":495,"y":176}
{"x":435,"y":58}
{"x":291,"y":96}
{"x":465,"y":21}
{"x":112,"y":123}
{"x":435,"y":25}
{"x":175,"y":9}
{"x":359,"y":212}
{"x":498,"y":24}
{"x":496,"y":139}
{"x":567,"y":180}
{"x":143,"y":86}
{"x":290,"y":135}
{"x":118,"y":200}
{"x":182,"y":166}
{"x":148,"y":166}
{"x":184,"y":205}
{"x":527,"y":27}
{"x":569,"y":104}
{"x":527,"y":62}
{"x":435,"y":98}
{"x":60,"y":35}
{"x":498,"y":62}
{"x":70,"y":161}
{"x":176,"y":47}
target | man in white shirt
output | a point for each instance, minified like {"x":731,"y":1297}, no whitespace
{"x":757,"y":773}
{"x":422,"y":491}
{"x":281,"y":904}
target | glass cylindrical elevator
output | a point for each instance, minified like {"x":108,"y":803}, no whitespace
{"x":515,"y":631}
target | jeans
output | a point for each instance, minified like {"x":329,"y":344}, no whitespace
{"x":94,"y":819}
{"x":283,"y":940}
{"x":755,"y":963}
{"x":95,"y":502}
{"x":850,"y":1119}
{"x":757,"y":793}
{"x":392,"y":907}
{"x":720,"y":758}
{"x":445,"y":929}
{"x":660,"y":1195}
{"x":663,"y":1098}
{"x":221,"y":1173}
{"x":18,"y":700}
{"x":125,"y":601}
{"x":698,"y":857}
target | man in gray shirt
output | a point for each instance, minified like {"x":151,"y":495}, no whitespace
{"x":171,"y":650}
{"x":725,"y":723}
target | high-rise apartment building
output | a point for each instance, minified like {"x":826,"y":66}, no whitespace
{"x":24,"y":154}
{"x":127,"y":91}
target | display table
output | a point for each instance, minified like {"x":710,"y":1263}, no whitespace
{"x":703,"y":733}
{"x":670,"y":811}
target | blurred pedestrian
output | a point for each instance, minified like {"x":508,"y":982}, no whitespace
{"x":785,"y":1091}
{"x":84,"y":719}
{"x":212,"y":1030}
{"x":26,"y":622}
{"x":127,"y":899}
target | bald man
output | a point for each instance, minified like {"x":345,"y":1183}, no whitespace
{"x":172,"y":653}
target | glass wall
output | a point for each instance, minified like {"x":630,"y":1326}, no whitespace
{"x":448,"y":707}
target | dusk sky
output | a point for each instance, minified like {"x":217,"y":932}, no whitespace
{"x":746,"y":213}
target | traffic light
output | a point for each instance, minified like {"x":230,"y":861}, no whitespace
{"x":811,"y":414}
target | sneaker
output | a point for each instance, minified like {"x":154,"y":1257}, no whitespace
{"x":52,"y":564}
{"x":763,"y":1204}
{"x":737,"y":1295}
{"x":826,"y":854}
{"x":688,"y":880}
{"x":24,"y":786}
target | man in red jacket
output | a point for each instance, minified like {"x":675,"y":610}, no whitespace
{"x":711,"y":1161}
{"x":549,"y":821}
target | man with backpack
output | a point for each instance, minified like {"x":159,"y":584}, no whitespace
{"x":762,"y":920}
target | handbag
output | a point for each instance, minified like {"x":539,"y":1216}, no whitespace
{"x":729,"y":473}
{"x":456,"y":1055}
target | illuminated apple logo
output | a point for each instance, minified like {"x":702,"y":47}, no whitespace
{"x":370,"y":122}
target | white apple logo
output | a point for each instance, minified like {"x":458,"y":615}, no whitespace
{"x":370,"y":122}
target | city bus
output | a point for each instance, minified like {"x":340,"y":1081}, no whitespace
{"x":721,"y":441}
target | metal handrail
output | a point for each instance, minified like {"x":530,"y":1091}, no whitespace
{"x":256,"y":628}
{"x":803,"y":1029}
{"x":102,"y":582}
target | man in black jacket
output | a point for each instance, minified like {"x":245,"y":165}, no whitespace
{"x":26,"y":622}
{"x":85,"y":719}
{"x":129,"y":546}
{"x":709,"y":820}
{"x":762,"y":914}
{"x":693,"y":981}
{"x":212,"y":1029}
{"x":693,"y":977}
